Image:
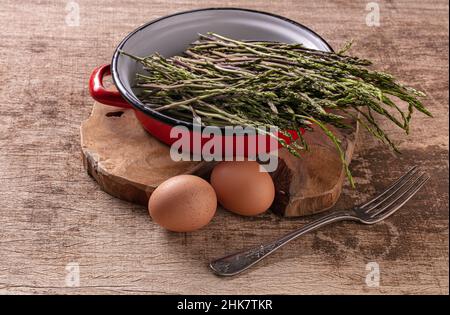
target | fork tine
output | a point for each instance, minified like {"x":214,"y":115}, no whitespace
{"x":390,"y":187}
{"x":408,"y":194}
{"x":399,"y":184}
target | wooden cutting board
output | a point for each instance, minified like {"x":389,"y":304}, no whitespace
{"x":129,"y":164}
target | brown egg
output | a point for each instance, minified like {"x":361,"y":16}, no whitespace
{"x":242,"y":188}
{"x":183,"y":203}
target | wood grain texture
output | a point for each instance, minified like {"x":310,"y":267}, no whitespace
{"x":313,"y":183}
{"x":128,"y":163}
{"x":52,"y":213}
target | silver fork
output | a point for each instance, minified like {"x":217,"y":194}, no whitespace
{"x":377,"y":209}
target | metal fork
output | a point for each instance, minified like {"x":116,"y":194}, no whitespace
{"x":377,"y":209}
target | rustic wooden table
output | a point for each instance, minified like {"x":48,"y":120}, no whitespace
{"x":55,"y":222}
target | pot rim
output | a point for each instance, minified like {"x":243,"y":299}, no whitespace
{"x":137,"y":104}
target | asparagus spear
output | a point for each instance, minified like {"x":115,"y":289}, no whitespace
{"x":227,"y":81}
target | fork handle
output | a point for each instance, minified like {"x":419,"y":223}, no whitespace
{"x":236,"y":263}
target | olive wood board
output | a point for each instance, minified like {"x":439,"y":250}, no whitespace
{"x":128,"y":163}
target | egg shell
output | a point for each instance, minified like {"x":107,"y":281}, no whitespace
{"x":183,"y":203}
{"x":242,"y":188}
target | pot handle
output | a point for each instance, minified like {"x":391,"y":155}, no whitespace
{"x":100,"y":93}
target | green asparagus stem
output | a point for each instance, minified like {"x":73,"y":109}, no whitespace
{"x":225,"y":81}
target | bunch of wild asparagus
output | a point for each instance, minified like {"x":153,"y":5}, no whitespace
{"x":225,"y":81}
